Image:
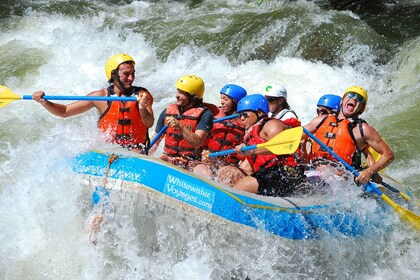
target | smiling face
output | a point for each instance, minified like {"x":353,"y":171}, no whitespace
{"x":182,"y":98}
{"x":227,"y":104}
{"x":352,"y":105}
{"x":126,"y":74}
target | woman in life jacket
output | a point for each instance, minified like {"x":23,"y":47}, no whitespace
{"x":348,"y":135}
{"x":225,"y":134}
{"x":125,"y":123}
{"x":267,"y":173}
{"x":189,"y":123}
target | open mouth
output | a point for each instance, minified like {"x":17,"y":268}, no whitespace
{"x":351,"y":105}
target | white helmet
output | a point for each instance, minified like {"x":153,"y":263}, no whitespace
{"x":275,"y":90}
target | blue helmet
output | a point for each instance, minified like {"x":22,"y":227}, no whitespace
{"x":253,"y":102}
{"x":234,"y":91}
{"x":330,"y":101}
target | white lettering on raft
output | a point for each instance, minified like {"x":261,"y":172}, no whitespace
{"x":190,"y":193}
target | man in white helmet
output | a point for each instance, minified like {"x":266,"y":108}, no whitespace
{"x":276,"y":96}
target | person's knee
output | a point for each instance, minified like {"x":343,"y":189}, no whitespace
{"x":248,"y":183}
{"x":229,"y":175}
{"x":203,"y":170}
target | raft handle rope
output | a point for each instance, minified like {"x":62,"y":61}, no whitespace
{"x":111,"y":159}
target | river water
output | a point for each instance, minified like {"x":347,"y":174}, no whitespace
{"x":61,"y":47}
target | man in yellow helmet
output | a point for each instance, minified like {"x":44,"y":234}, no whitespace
{"x":189,"y":123}
{"x":348,"y":135}
{"x":126,"y":123}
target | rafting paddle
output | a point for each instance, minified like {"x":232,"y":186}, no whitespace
{"x":405,"y":214}
{"x":286,"y":142}
{"x":7,"y":96}
{"x":376,"y":157}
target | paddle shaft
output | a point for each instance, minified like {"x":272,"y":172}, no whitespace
{"x":87,"y":98}
{"x":391,"y":188}
{"x":231,"y":151}
{"x":164,"y":128}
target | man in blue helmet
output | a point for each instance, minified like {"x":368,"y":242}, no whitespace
{"x":224,"y":135}
{"x":267,"y":173}
{"x":328,"y":104}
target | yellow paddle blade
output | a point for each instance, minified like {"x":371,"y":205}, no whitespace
{"x":375,"y":154}
{"x":286,"y":142}
{"x":405,"y":214}
{"x":7,"y":96}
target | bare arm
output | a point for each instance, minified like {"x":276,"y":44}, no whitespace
{"x":373,"y":139}
{"x":61,"y":110}
{"x":270,"y":130}
{"x":312,"y":125}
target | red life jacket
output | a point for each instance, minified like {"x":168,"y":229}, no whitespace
{"x":265,"y":161}
{"x":175,"y":144}
{"x":338,"y":136}
{"x":122,"y":121}
{"x":292,"y":122}
{"x":226,"y":135}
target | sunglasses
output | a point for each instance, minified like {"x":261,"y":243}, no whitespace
{"x":322,"y":112}
{"x":244,"y":114}
{"x":272,"y":99}
{"x":358,"y":97}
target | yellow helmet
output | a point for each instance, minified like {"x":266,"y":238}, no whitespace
{"x":360,"y":91}
{"x":192,"y":84}
{"x":115,"y":61}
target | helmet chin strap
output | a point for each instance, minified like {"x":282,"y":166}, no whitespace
{"x":124,"y":91}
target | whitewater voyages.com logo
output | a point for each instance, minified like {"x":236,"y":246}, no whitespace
{"x":190,"y":193}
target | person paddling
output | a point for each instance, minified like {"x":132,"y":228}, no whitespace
{"x":189,"y":123}
{"x":267,"y":173}
{"x":125,"y":123}
{"x":348,"y":135}
{"x":225,"y":135}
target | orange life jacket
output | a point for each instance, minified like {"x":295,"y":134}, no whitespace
{"x":265,"y":161}
{"x":226,"y":135}
{"x":175,"y":144}
{"x":338,"y":136}
{"x":122,"y":121}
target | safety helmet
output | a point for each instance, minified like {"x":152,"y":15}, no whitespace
{"x":359,"y":90}
{"x":192,"y":84}
{"x":253,"y":102}
{"x":234,"y":91}
{"x":330,"y":101}
{"x":115,"y":61}
{"x":276,"y":90}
